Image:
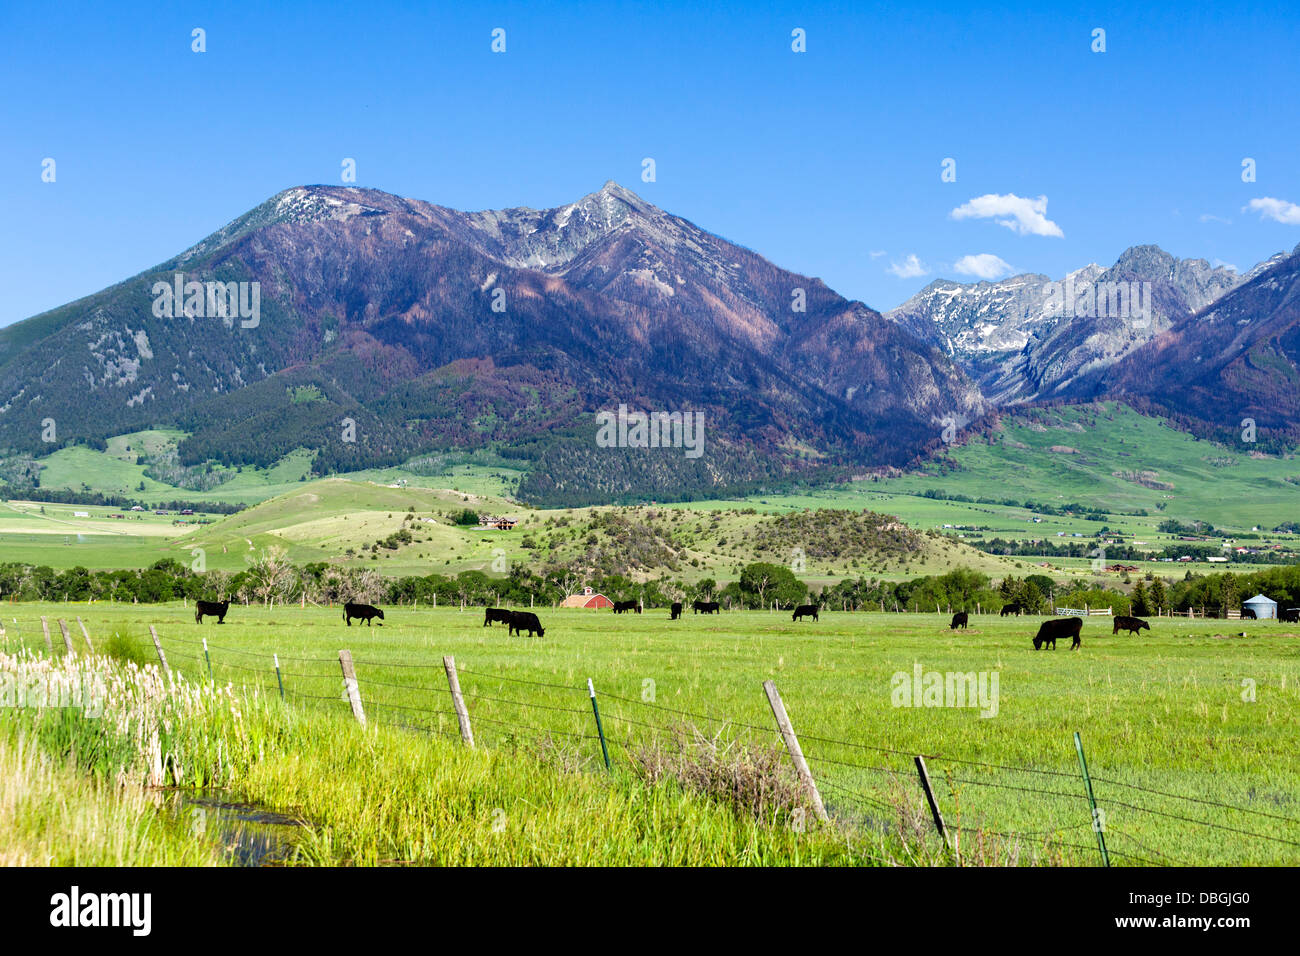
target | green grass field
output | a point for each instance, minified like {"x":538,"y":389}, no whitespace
{"x":1167,"y":711}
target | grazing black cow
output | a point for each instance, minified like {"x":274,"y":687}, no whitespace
{"x":805,"y":610}
{"x":707,"y":607}
{"x":215,"y":609}
{"x":1015,"y":609}
{"x":1049,"y":631}
{"x":362,"y":612}
{"x":521,"y":621}
{"x":1290,"y":615}
{"x":1131,"y":624}
{"x":960,"y":619}
{"x":675,"y":611}
{"x":621,"y":606}
{"x":1248,"y":614}
{"x":496,"y":615}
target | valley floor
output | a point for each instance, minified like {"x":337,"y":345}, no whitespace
{"x":1186,"y":730}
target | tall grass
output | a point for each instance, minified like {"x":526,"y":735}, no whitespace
{"x":52,"y":814}
{"x":388,"y":795}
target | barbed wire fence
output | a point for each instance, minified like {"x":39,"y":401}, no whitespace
{"x":868,"y":784}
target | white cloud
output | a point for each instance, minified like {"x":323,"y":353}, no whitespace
{"x":1220,"y":264}
{"x":909,"y":268}
{"x":1019,"y":214}
{"x":1279,"y":210}
{"x":985,"y":265}
{"x":877,"y":253}
{"x":1210,"y":217}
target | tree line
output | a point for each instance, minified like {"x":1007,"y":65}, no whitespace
{"x":270,"y":579}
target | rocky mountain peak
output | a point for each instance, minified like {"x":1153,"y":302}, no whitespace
{"x":1026,"y":336}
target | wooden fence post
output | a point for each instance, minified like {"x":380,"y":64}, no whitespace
{"x":929,"y":796}
{"x":792,"y":745}
{"x":67,"y":637}
{"x":162,"y":658}
{"x":350,"y":682}
{"x":45,"y":629}
{"x":458,"y":701}
{"x":86,"y":634}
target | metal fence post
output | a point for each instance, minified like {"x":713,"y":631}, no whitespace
{"x":1098,"y":822}
{"x":591,"y":689}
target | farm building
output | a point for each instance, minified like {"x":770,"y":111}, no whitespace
{"x":493,"y":521}
{"x":1264,"y":608}
{"x":588,"y":598}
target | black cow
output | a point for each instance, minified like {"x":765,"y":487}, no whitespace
{"x":621,"y":606}
{"x":805,"y":610}
{"x":960,"y":619}
{"x":1248,"y":614}
{"x":1131,"y":624}
{"x":1290,"y":615}
{"x":362,"y":612}
{"x":675,"y":611}
{"x":707,"y":607}
{"x":1015,"y":609}
{"x":1049,"y":631}
{"x":496,"y":615}
{"x":215,"y":609}
{"x":521,"y":621}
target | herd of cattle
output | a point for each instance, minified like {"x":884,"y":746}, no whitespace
{"x":526,"y":621}
{"x":1061,"y":627}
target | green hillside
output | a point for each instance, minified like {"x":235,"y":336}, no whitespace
{"x":338,"y":520}
{"x":143,"y":465}
{"x":1014,"y":483}
{"x":1110,"y":457}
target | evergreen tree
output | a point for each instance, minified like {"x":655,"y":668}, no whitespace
{"x":1158,"y":596}
{"x":1138,"y":600}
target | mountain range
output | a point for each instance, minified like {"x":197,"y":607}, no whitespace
{"x":432,"y":329}
{"x":1021,"y":343}
{"x":377,"y":330}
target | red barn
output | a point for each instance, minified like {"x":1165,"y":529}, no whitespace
{"x":588,"y":598}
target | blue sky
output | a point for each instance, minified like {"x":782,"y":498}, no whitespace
{"x":827,"y":162}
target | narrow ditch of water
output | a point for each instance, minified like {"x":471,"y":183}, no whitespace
{"x":248,"y":835}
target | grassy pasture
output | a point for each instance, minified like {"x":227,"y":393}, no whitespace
{"x":1164,"y":711}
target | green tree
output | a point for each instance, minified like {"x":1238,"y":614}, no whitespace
{"x":1158,"y":598}
{"x":1138,"y":600}
{"x":761,"y":583}
{"x":1046,"y":586}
